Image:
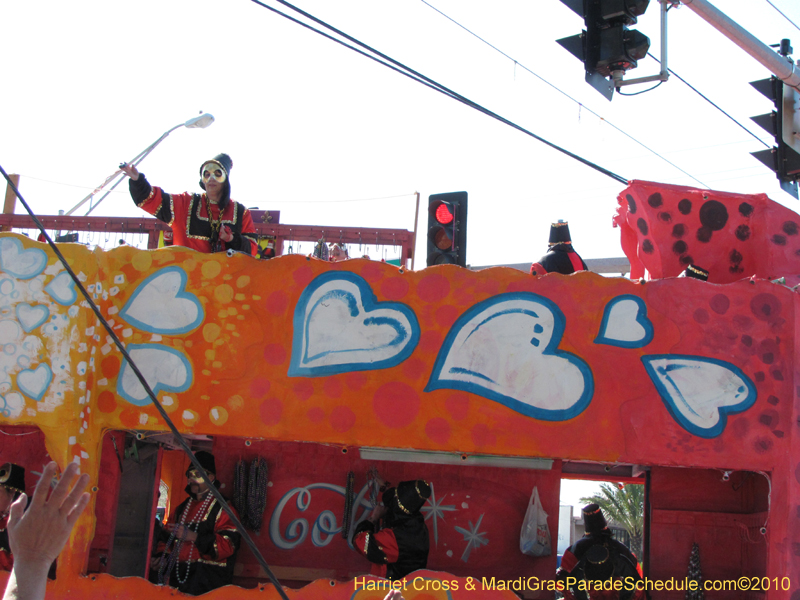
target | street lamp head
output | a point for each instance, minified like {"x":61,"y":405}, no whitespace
{"x":200,"y":121}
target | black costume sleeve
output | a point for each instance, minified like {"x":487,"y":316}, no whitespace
{"x":365,"y":525}
{"x":240,"y":243}
{"x":140,"y":189}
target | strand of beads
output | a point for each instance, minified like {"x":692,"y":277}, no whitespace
{"x":169,"y":557}
{"x":198,"y":516}
{"x":258,"y":500}
{"x":166,"y":565}
{"x":372,"y":484}
{"x":240,"y":490}
{"x":348,"y":504}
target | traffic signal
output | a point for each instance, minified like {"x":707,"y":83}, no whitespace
{"x":447,"y":229}
{"x":782,"y":123}
{"x":607,"y":47}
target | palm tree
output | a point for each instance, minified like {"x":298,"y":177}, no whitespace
{"x":624,"y":507}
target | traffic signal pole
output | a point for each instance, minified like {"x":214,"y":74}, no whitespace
{"x":783,"y":89}
{"x":783,"y":69}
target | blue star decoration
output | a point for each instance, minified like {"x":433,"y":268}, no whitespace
{"x":473,"y":537}
{"x":436,"y":510}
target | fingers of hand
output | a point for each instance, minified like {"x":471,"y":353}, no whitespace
{"x":78,"y":508}
{"x":75,"y":495}
{"x":62,"y":489}
{"x":17,"y":509}
{"x":43,"y":486}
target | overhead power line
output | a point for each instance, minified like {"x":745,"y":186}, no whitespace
{"x":399,"y":67}
{"x":562,"y":92}
{"x":246,"y":537}
{"x":783,"y":15}
{"x":699,"y":93}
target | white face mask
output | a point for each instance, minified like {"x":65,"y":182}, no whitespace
{"x":213,"y":170}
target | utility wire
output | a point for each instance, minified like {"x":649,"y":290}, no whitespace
{"x":178,"y":437}
{"x":389,"y":62}
{"x":560,"y":91}
{"x":783,"y":15}
{"x":699,"y":93}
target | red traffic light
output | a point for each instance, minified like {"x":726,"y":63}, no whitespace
{"x":444,"y":214}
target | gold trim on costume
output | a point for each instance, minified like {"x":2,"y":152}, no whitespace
{"x":150,"y":197}
{"x":400,"y":504}
{"x":416,"y":487}
{"x":200,"y":217}
{"x":697,"y":271}
{"x":210,"y":506}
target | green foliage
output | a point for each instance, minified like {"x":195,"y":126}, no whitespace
{"x":623,"y":508}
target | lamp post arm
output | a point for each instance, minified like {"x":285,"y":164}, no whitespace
{"x":135,"y":161}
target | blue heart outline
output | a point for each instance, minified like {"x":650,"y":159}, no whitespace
{"x":369,"y":302}
{"x":182,"y":294}
{"x":437,"y":382}
{"x":641,"y":318}
{"x":38,"y":323}
{"x":38,"y":253}
{"x":158,"y":387}
{"x":71,"y":287}
{"x":31,"y":394}
{"x":677,"y":415}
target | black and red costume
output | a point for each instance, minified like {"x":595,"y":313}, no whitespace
{"x":207,"y":563}
{"x":194,"y":220}
{"x":597,"y":558}
{"x":6,"y":558}
{"x":401,"y":546}
{"x":561,"y":256}
{"x":210,"y":563}
{"x":12,"y":478}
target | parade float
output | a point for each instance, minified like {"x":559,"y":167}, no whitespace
{"x":484,"y":383}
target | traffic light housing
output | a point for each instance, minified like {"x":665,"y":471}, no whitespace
{"x":782,"y":123}
{"x":607,"y":45}
{"x":447,"y":229}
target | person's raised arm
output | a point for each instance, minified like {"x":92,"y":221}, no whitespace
{"x":37,"y":535}
{"x":129,"y":170}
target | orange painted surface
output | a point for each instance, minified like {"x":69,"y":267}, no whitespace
{"x":232,"y":353}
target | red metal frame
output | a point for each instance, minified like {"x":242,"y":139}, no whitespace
{"x":281,"y":232}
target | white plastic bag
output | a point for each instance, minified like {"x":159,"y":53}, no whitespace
{"x":534,"y":538}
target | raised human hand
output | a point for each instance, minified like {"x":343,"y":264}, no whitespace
{"x":129,"y":170}
{"x":38,"y":535}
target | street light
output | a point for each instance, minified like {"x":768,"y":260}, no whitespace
{"x":199,"y":122}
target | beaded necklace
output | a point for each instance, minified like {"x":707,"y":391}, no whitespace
{"x":165,"y":566}
{"x":257,"y":492}
{"x":240,"y":490}
{"x":216,"y":224}
{"x":348,"y":504}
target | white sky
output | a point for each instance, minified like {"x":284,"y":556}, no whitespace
{"x":572,"y":490}
{"x":312,"y":126}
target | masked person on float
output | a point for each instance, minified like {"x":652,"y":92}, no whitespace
{"x":401,"y":545}
{"x":200,"y":545}
{"x":209,"y":222}
{"x":561,"y":256}
{"x":596,"y":558}
{"x":12,"y":484}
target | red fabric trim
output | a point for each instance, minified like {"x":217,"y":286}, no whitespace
{"x":181,"y":205}
{"x":577,"y":265}
{"x":568,"y":561}
{"x":388,"y":543}
{"x":360,"y":542}
{"x":224,"y":546}
{"x":537,"y":269}
{"x":6,"y":561}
